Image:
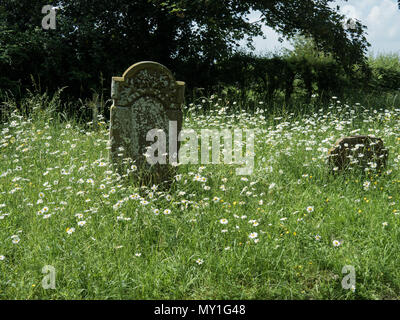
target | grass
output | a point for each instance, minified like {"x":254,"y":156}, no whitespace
{"x":269,"y":235}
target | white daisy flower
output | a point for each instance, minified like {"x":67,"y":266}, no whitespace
{"x":336,"y":243}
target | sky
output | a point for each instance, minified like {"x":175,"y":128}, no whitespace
{"x":382,"y":17}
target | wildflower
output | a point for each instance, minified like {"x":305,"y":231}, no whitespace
{"x":385,"y":224}
{"x":223,"y":221}
{"x":81,"y":223}
{"x":199,"y":261}
{"x":317,"y":237}
{"x":253,"y":235}
{"x":336,"y":243}
{"x":70,"y":230}
{"x":310,"y":209}
{"x":138,"y":254}
{"x":167,"y":211}
{"x":2,"y":258}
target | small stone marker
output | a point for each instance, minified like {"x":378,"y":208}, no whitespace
{"x":145,"y":98}
{"x":363,"y":151}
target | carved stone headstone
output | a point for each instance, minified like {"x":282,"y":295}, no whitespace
{"x":145,"y":98}
{"x":361,"y":151}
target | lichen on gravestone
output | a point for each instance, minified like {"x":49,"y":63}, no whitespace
{"x":146,"y":97}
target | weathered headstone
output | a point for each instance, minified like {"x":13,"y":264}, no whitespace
{"x":361,"y":151}
{"x":145,"y":98}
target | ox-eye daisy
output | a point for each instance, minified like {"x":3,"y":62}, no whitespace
{"x":70,"y":230}
{"x":253,"y":235}
{"x":336,"y":243}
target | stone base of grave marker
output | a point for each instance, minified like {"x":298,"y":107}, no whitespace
{"x":146,"y":97}
{"x":358,"y":151}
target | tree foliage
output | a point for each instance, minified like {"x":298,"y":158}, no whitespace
{"x":96,"y":37}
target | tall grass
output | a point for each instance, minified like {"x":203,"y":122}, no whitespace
{"x":284,"y":232}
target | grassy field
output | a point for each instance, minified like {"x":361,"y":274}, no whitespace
{"x":284,"y":232}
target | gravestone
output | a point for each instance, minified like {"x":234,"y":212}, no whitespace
{"x":358,"y":151}
{"x":145,"y":98}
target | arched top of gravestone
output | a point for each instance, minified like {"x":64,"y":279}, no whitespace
{"x":148,"y":78}
{"x":135,"y":69}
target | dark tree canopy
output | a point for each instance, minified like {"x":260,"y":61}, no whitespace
{"x":188,"y":36}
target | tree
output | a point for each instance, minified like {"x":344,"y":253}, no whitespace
{"x":99,"y":36}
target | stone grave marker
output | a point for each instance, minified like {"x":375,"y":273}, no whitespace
{"x":358,"y":151}
{"x":145,"y":98}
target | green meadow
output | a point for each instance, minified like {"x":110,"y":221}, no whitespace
{"x":286,"y":231}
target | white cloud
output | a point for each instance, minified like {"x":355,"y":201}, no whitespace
{"x":382,"y":18}
{"x":351,"y":12}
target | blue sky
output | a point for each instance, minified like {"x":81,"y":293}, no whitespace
{"x":382,"y":17}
